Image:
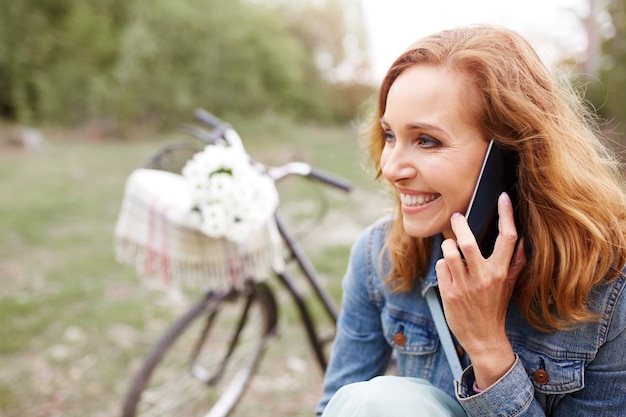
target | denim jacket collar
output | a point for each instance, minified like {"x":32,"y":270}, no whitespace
{"x":430,"y":279}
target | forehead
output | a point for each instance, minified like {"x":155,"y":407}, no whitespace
{"x":435,"y":96}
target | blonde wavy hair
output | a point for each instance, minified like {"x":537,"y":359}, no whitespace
{"x":572,"y":203}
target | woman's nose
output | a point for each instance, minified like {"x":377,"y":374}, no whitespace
{"x":398,"y":166}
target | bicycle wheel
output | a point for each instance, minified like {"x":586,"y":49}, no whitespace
{"x":204,"y":362}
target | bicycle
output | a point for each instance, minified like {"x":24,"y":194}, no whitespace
{"x":205,"y":360}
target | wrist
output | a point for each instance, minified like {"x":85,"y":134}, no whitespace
{"x":491,"y":367}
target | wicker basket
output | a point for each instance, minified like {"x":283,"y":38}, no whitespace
{"x":158,"y":233}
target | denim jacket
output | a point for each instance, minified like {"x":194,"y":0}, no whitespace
{"x":579,"y":372}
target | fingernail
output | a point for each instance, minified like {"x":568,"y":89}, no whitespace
{"x":456,"y":214}
{"x":505,"y":199}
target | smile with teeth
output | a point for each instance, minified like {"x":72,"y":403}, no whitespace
{"x":417,"y":200}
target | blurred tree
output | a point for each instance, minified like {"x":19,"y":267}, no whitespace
{"x":334,"y":35}
{"x":68,"y":61}
{"x":175,"y":56}
{"x":613,"y":72}
{"x":26,"y":42}
{"x":54,"y":57}
{"x":604,"y":78}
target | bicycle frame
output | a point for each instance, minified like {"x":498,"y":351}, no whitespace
{"x":225,"y":133}
{"x":252,"y":307}
{"x":310,"y":274}
{"x":316,"y":343}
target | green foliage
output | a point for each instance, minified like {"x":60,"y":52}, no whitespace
{"x":605,"y":90}
{"x":614,"y":74}
{"x":68,"y":61}
{"x":169,"y":68}
{"x":54,"y":57}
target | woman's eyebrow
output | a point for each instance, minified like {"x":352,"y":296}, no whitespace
{"x":416,"y":126}
{"x":422,"y":126}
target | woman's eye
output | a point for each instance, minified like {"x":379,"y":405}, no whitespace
{"x":388,"y":136}
{"x":426,"y":141}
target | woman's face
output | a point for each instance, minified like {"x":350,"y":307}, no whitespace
{"x":434,"y":147}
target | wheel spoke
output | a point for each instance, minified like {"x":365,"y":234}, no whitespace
{"x":168,"y":384}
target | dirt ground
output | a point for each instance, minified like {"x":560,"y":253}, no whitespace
{"x":81,"y":348}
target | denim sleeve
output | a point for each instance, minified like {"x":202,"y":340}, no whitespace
{"x":512,"y":395}
{"x":602,"y":393}
{"x":360,"y":351}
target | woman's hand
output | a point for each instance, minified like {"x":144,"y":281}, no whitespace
{"x":476,"y":292}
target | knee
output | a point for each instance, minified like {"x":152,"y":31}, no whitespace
{"x":390,"y":396}
{"x":367,"y":398}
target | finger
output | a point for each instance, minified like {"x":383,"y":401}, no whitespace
{"x":507,"y":232}
{"x":444,"y":276}
{"x":519,"y":261}
{"x":452,"y":257}
{"x":466,"y":242}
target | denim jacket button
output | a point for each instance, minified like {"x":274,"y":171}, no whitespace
{"x":541,"y":377}
{"x":399,"y":339}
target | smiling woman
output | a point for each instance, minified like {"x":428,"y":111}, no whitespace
{"x":428,"y":133}
{"x":528,"y":335}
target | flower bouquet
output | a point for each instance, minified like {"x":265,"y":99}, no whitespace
{"x":232,"y":197}
{"x":210,"y":225}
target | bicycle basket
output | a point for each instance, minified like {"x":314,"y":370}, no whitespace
{"x":158,"y":232}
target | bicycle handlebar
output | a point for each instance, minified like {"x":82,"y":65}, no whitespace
{"x":224,"y":131}
{"x":203,"y":135}
{"x":305,"y":170}
{"x":330,"y":180}
{"x":211,"y":120}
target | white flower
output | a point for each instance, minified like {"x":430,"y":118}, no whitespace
{"x":233,"y":198}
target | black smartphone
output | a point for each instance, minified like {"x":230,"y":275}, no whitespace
{"x":497,"y":175}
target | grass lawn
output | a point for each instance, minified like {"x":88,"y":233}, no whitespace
{"x":75,"y":324}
